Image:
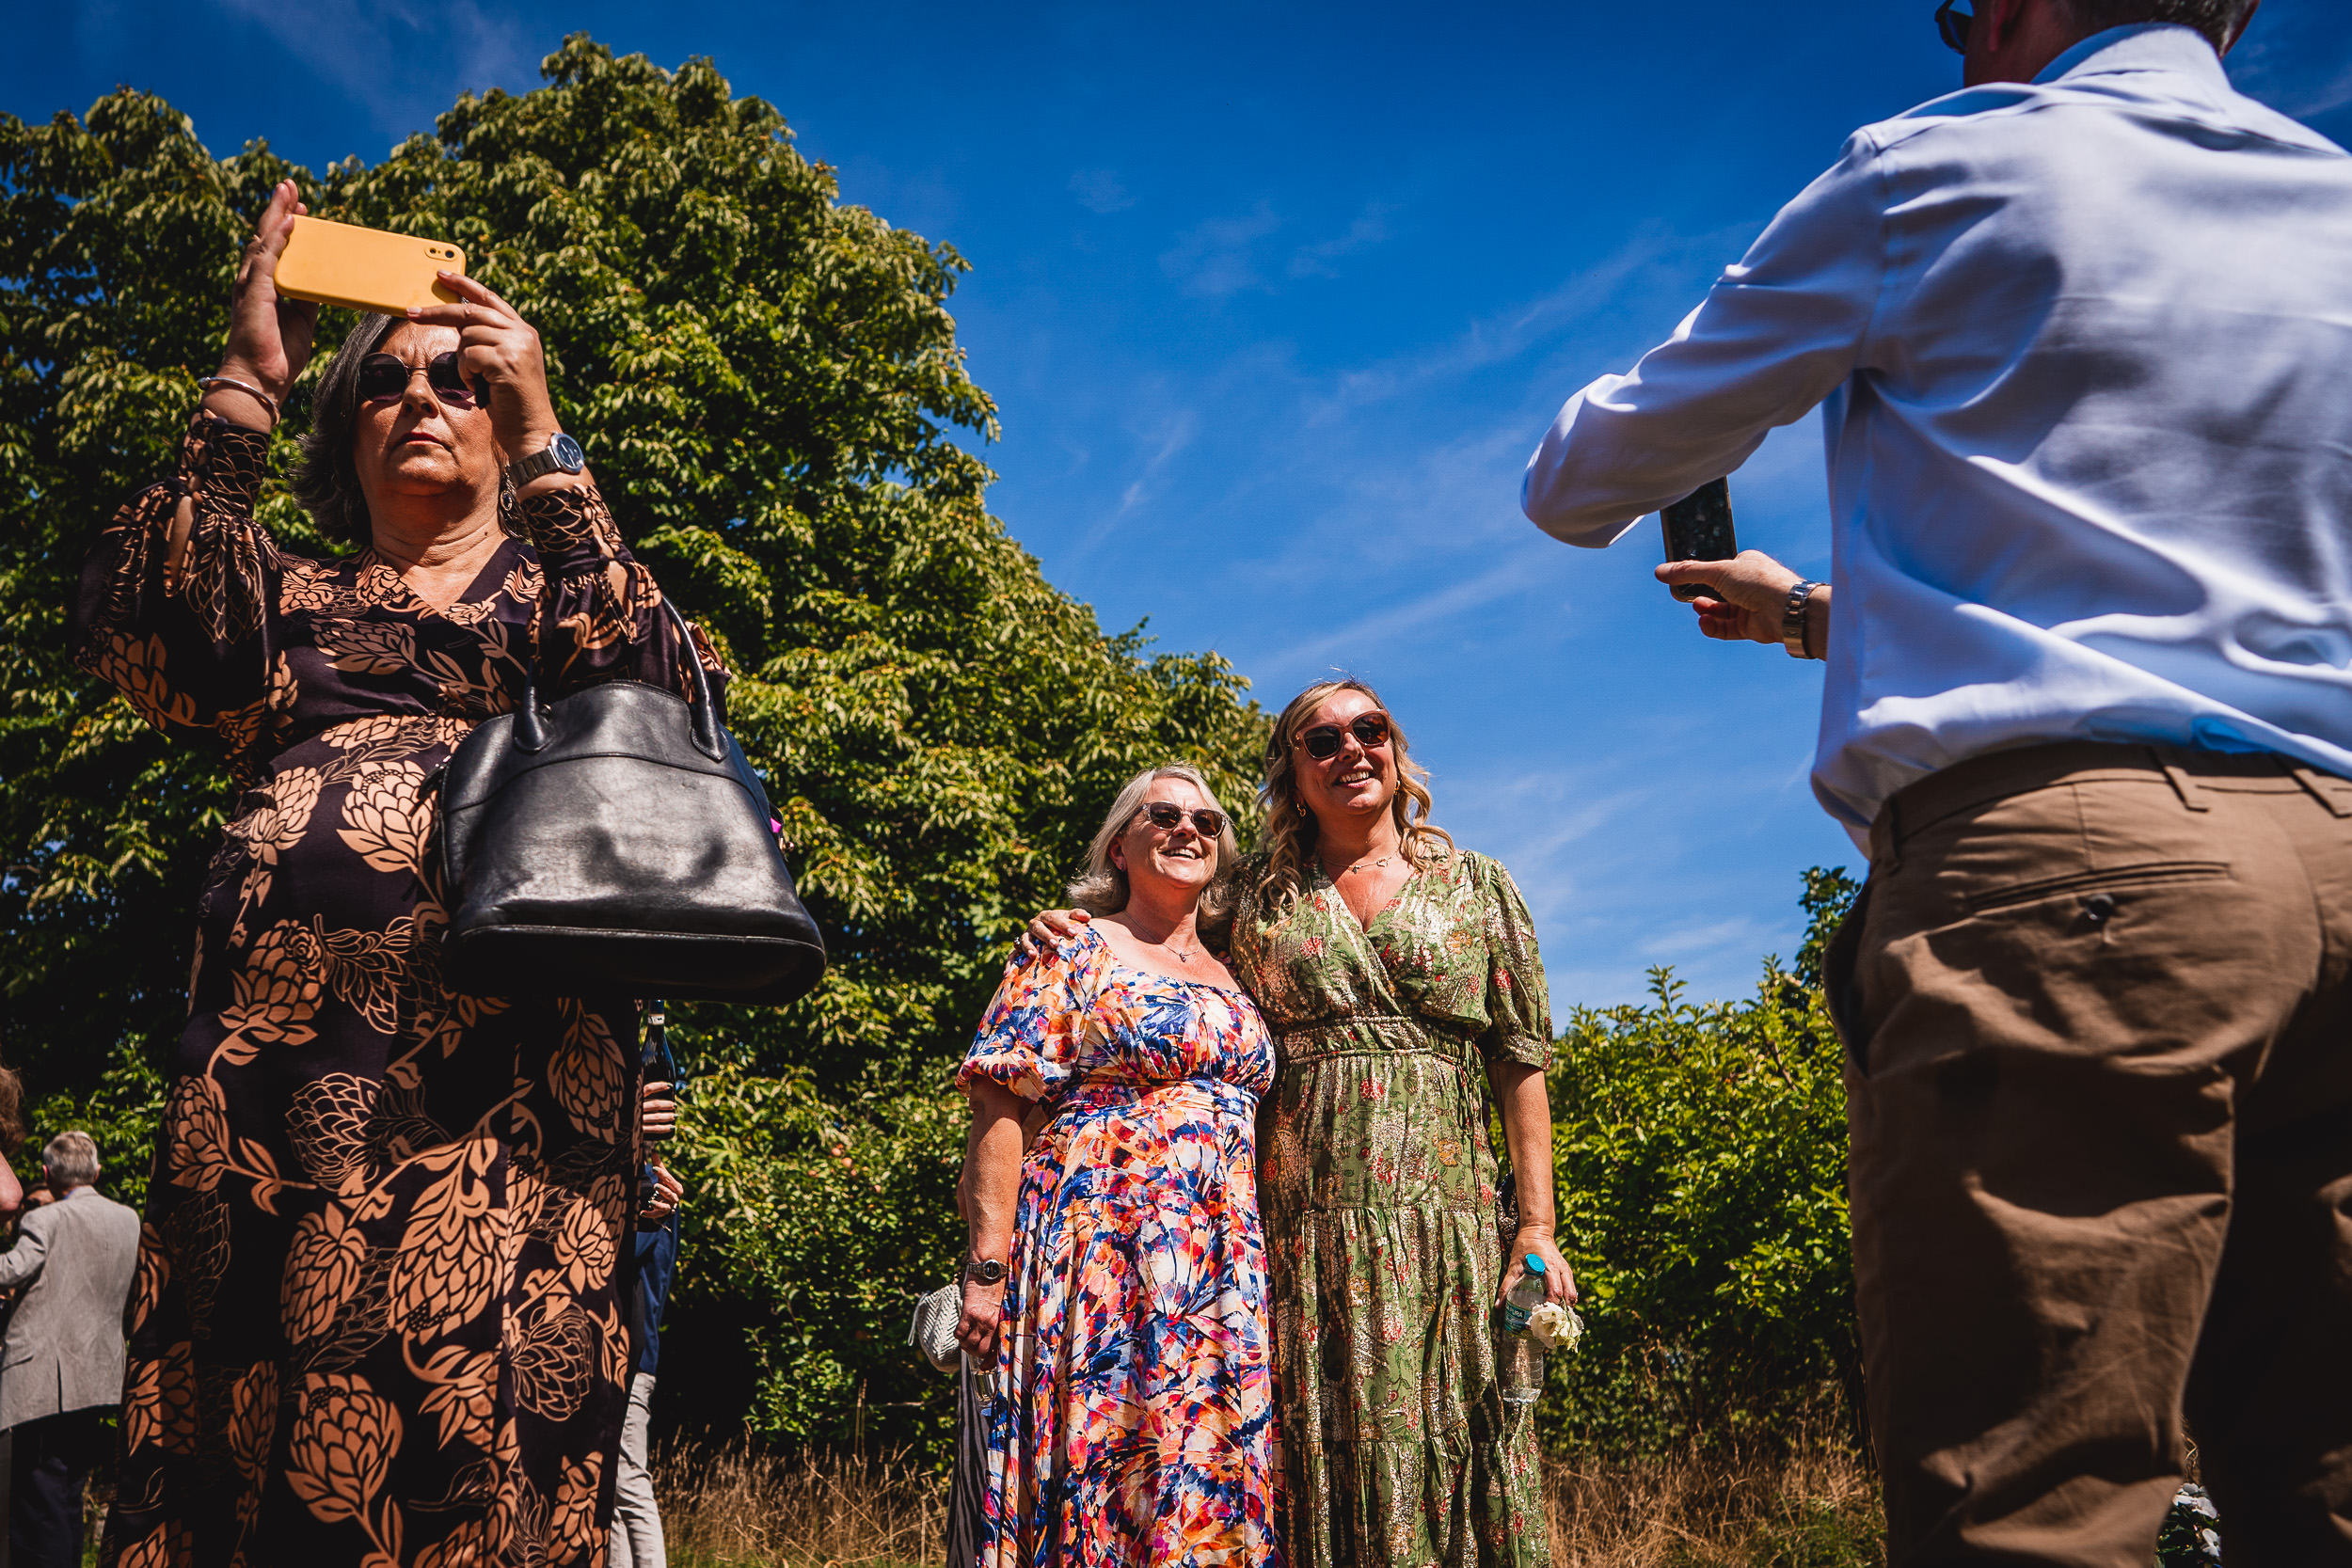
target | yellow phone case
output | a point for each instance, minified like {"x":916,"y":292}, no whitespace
{"x":365,"y":269}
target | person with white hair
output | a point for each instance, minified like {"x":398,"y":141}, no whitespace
{"x":72,"y":1269}
{"x":1115,"y":1293}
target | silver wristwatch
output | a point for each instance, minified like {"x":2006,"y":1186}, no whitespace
{"x":1793,"y":619}
{"x":562,"y":454}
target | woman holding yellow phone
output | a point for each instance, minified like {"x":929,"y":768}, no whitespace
{"x":376,"y":1315}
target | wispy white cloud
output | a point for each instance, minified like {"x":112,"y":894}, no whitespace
{"x":2300,"y":61}
{"x":1165,"y":439}
{"x":1369,"y":227}
{"x":1098,"y":191}
{"x":1510,"y":333}
{"x":350,"y":43}
{"x":1218,"y":257}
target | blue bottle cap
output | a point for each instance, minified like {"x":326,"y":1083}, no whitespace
{"x":1535,"y":1264}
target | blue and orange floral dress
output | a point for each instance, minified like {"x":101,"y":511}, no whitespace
{"x":1131,"y":1410}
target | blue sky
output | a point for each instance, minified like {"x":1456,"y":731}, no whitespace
{"x":1275,"y":301}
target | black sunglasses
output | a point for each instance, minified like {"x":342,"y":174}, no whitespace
{"x":383,"y":377}
{"x":1166,"y":816}
{"x":1323,"y":741}
{"x":1953,"y":26}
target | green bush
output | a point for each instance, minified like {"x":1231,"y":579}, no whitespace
{"x":1699,"y":1151}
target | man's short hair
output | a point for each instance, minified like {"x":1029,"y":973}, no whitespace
{"x":70,"y":1159}
{"x":2217,"y":19}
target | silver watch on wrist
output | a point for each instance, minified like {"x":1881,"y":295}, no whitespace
{"x":1793,"y":619}
{"x":562,"y":454}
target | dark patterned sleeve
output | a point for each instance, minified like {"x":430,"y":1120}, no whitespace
{"x":173,"y":608}
{"x":600,"y":615}
{"x":1518,"y":1002}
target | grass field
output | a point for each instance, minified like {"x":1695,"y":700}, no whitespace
{"x":1814,"y":1508}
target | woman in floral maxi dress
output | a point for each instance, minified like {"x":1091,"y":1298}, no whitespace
{"x":1401,"y":979}
{"x":375,"y":1319}
{"x":1130,"y":1397}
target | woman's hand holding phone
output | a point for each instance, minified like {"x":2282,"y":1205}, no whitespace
{"x":500,"y":352}
{"x":269,"y":336}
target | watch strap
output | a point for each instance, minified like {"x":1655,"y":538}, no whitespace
{"x":1794,"y":618}
{"x":561,"y":454}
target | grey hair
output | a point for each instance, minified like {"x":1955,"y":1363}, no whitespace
{"x":70,"y":1159}
{"x":2218,"y":20}
{"x":1102,"y":887}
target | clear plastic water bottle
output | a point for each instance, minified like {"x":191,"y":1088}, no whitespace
{"x":1519,"y":1358}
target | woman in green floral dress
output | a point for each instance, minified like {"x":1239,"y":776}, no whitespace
{"x":1392,"y":967}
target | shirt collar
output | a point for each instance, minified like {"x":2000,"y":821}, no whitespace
{"x":2142,"y":46}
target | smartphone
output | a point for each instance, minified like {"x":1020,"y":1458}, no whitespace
{"x":365,"y":269}
{"x":1698,"y":528}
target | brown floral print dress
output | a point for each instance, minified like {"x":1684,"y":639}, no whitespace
{"x":1377,"y":1186}
{"x":375,"y":1319}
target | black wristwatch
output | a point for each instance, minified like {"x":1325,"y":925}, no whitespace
{"x":985,"y":1271}
{"x":561,"y":454}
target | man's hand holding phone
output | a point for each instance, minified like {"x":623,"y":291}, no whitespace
{"x":1754,"y":590}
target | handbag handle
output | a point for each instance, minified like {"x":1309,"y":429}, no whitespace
{"x":531,"y":729}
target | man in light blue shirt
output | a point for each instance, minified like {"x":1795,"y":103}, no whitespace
{"x":2082,"y":337}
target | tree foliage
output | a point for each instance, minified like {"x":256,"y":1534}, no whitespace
{"x":1699,"y":1153}
{"x":768,"y":384}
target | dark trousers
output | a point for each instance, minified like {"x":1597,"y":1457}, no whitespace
{"x":2098,"y":1016}
{"x":47,"y":1473}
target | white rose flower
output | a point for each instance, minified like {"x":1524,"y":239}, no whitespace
{"x":1554,"y":1326}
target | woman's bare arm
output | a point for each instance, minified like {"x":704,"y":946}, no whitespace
{"x":991,"y":1189}
{"x":1526,"y":1106}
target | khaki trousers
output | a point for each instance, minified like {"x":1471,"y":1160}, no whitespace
{"x":2097,"y":1006}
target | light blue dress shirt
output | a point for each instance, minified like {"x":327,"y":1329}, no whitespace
{"x":2083,"y":349}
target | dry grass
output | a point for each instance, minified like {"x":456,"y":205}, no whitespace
{"x":1814,"y":1508}
{"x":737,"y":1507}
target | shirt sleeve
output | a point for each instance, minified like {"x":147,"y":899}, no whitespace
{"x":172,"y":609}
{"x":1518,"y":1003}
{"x":1777,"y":333}
{"x":1033,"y":1039}
{"x":22,"y":1264}
{"x":600,"y":612}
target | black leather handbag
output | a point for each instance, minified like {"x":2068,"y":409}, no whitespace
{"x":617,"y":840}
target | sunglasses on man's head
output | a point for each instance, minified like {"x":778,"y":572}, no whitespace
{"x":384,"y":376}
{"x":1953,"y":25}
{"x":1166,"y":816}
{"x":1323,"y":741}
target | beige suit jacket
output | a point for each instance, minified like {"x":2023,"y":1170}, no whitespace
{"x":72,"y":1262}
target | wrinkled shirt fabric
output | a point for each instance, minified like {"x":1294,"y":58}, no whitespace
{"x":2083,"y":349}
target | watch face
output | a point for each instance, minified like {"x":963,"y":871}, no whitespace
{"x":989,"y":1273}
{"x":568,"y":454}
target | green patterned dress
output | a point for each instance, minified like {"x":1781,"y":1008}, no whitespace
{"x":1377,"y":1187}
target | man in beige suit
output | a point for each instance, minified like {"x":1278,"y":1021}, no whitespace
{"x":61,"y":1364}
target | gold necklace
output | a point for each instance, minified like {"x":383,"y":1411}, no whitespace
{"x":1361,"y":865}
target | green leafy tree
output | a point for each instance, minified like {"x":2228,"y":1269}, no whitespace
{"x":1700,"y":1160}
{"x":768,"y":385}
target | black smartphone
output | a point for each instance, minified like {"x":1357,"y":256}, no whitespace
{"x":1698,"y":528}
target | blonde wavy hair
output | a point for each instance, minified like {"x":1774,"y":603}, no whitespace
{"x":1290,"y":830}
{"x":1102,"y":887}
